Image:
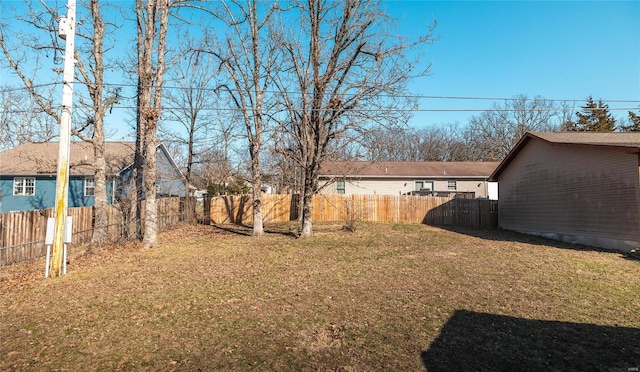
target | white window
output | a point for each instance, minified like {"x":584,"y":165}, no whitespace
{"x":424,"y":185}
{"x":89,"y":186}
{"x":452,"y":185}
{"x":24,"y":186}
{"x":340,"y":187}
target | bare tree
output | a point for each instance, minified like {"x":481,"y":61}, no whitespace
{"x":213,"y":171}
{"x":92,"y":77}
{"x":189,"y":115}
{"x":21,"y":120}
{"x":348,"y":71}
{"x":437,"y":143}
{"x":249,"y":57}
{"x":28,"y":51}
{"x":493,"y":133}
{"x":221,"y":153}
{"x":282,"y":173}
{"x":153,"y":22}
{"x":89,"y":58}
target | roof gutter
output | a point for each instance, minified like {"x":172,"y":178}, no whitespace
{"x":415,"y":177}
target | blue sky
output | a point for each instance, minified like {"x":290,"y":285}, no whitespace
{"x":554,"y":49}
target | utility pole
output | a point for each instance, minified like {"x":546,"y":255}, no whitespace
{"x":67,"y":32}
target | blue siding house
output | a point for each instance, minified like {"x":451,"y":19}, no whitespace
{"x":28,"y":175}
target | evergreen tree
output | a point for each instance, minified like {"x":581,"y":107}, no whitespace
{"x":633,"y":123}
{"x":595,"y":117}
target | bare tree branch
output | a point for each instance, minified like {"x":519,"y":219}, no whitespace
{"x":345,"y":60}
{"x":249,"y":59}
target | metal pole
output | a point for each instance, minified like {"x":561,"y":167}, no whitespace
{"x":67,"y":32}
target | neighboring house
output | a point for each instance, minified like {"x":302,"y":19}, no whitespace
{"x":28,"y":174}
{"x":435,"y":178}
{"x":578,"y":187}
{"x":199,"y":194}
{"x":266,"y":189}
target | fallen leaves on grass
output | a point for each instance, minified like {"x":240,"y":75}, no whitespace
{"x":215,"y":298}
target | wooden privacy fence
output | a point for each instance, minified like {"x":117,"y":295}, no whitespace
{"x":465,"y":212}
{"x":238,"y":209}
{"x":367,"y":208}
{"x":22,"y":234}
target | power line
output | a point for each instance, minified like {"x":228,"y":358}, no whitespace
{"x":432,"y":97}
{"x":519,"y":98}
{"x":409,"y":110}
{"x":9,"y":88}
{"x":363,"y":110}
{"x":416,"y":96}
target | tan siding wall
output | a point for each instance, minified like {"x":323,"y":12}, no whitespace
{"x":380,"y":187}
{"x":581,"y":195}
{"x":386,"y":186}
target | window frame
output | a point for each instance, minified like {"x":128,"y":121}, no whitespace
{"x":22,"y":186}
{"x":92,"y":187}
{"x":423,"y":182}
{"x":341,"y":190}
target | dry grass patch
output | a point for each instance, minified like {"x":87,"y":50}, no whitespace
{"x":386,"y":297}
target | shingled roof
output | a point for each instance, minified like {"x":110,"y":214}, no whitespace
{"x":627,"y":142}
{"x":409,"y":169}
{"x":42,"y":158}
{"x":626,"y":139}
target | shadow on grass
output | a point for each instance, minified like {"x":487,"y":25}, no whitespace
{"x":512,"y":236}
{"x":282,"y":230}
{"x":247,"y":230}
{"x":234,"y":229}
{"x":472,"y":341}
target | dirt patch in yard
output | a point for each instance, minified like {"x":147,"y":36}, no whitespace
{"x":386,"y":297}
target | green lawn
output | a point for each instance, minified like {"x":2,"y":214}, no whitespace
{"x":387,"y":297}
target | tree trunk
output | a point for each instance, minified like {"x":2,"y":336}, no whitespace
{"x":150,"y":238}
{"x":190,"y":213}
{"x":135,"y":187}
{"x":307,"y":225}
{"x":100,"y":234}
{"x":101,"y":221}
{"x":258,"y":227}
{"x":150,"y":80}
{"x":301,"y":191}
{"x":308,"y":192}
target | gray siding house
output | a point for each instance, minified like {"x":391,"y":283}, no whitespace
{"x":28,"y":175}
{"x":577,"y":187}
{"x":429,"y":178}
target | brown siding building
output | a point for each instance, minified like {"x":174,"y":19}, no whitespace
{"x":575,"y":187}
